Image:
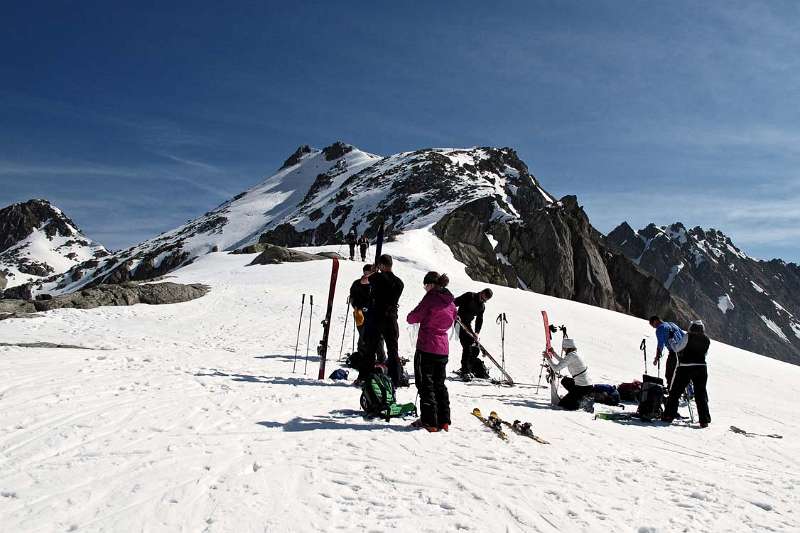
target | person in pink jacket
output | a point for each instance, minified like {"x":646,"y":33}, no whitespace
{"x":435,"y":315}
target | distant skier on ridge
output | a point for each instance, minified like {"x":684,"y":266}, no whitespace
{"x":363,"y":244}
{"x":351,"y":239}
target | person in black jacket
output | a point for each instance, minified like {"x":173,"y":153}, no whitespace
{"x":471,"y":306}
{"x":351,"y":243}
{"x":381,"y":321}
{"x":363,"y":244}
{"x":359,"y":301}
{"x":692,"y":352}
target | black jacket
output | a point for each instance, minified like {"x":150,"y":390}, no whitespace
{"x":386,"y":289}
{"x":470,"y":307}
{"x":359,"y":295}
{"x":696,"y":350}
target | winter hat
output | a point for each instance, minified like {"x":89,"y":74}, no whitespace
{"x":567,"y":344}
{"x":697,"y":326}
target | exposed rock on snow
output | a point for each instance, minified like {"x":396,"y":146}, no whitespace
{"x":273,"y":255}
{"x":124,"y":294}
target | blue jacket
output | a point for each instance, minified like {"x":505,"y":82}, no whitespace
{"x":668,"y":334}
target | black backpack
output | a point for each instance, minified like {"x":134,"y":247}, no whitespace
{"x":651,"y":400}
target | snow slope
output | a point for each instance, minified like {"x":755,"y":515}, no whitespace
{"x":188,"y":418}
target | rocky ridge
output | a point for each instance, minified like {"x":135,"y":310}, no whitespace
{"x":750,"y":303}
{"x":37,"y":240}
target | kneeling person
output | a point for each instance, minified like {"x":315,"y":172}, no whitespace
{"x":579,"y":385}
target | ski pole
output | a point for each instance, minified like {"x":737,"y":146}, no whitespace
{"x":310,"y":321}
{"x":501,"y":319}
{"x":643,"y":348}
{"x":299,"y":325}
{"x":344,"y":329}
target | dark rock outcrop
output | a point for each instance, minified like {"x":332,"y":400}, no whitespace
{"x":295,"y":157}
{"x":3,"y":282}
{"x":124,"y":294}
{"x":273,"y":255}
{"x":553,"y":250}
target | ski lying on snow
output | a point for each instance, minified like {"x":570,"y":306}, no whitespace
{"x":520,"y":428}
{"x":751,"y":434}
{"x":486,"y":354}
{"x":492,"y":423}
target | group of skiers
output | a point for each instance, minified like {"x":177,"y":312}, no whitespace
{"x":375,"y":297}
{"x":354,"y":240}
{"x":375,"y":301}
{"x":686,"y":363}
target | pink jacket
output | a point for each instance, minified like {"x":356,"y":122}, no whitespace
{"x":435,"y":315}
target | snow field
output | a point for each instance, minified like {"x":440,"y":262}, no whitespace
{"x":188,"y":418}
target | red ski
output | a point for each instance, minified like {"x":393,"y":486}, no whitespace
{"x":547,"y":334}
{"x":322,"y":349}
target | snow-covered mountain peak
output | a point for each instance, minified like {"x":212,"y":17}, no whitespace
{"x":38,"y":240}
{"x":318,"y":195}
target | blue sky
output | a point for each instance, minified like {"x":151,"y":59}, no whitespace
{"x":135,"y":118}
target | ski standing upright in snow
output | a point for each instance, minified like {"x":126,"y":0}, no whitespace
{"x":322,"y":349}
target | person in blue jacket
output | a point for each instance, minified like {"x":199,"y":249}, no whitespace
{"x":668,"y":335}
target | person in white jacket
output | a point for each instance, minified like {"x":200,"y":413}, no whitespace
{"x":578,"y":385}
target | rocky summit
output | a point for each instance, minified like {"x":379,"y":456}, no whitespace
{"x":746,"y":302}
{"x":37,"y":240}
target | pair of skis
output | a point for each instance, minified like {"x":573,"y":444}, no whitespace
{"x":495,"y":423}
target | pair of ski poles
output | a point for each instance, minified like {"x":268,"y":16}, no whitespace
{"x":299,"y":326}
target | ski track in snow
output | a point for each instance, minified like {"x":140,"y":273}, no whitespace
{"x":192,"y":420}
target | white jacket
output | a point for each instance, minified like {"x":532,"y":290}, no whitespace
{"x":577,"y":368}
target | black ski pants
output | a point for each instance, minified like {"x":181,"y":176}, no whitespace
{"x":363,"y":250}
{"x":698,"y":375}
{"x":380,"y":352}
{"x":429,"y":375}
{"x":374,"y":330}
{"x":672,"y":363}
{"x":467,"y":342}
{"x":575,"y":393}
{"x":352,"y":250}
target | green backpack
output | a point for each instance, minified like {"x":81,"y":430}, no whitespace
{"x":378,"y":398}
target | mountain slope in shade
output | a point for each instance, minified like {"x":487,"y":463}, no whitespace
{"x":38,"y":240}
{"x":750,"y":303}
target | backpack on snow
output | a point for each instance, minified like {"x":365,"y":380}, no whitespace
{"x":629,"y":392}
{"x":378,"y":398}
{"x":606,"y":394}
{"x":651,"y":399}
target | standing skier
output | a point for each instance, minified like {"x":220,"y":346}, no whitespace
{"x":471,"y":306}
{"x":579,"y":385}
{"x":435,"y":315}
{"x":363,"y":244}
{"x":381,"y":320}
{"x":669,"y":335}
{"x":351,"y":243}
{"x":359,"y":300}
{"x":692,"y":350}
